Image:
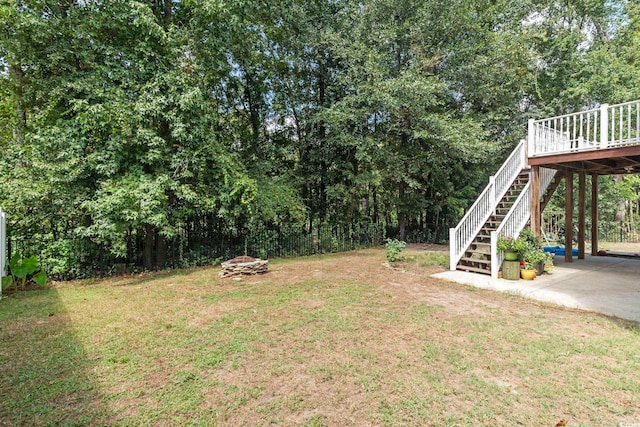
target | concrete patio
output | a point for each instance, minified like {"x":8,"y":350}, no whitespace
{"x":607,"y":285}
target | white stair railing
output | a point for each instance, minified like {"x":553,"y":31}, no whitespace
{"x":609,"y":126}
{"x":3,"y":246}
{"x":516,"y":218}
{"x":461,"y":236}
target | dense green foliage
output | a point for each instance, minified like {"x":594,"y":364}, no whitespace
{"x":128,"y":122}
{"x":23,"y":269}
{"x":394,"y":248}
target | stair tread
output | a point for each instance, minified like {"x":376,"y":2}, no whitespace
{"x":475,"y":251}
{"x":473,"y":269}
{"x":478,"y":260}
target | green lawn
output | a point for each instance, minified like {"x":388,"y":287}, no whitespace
{"x":332,"y":340}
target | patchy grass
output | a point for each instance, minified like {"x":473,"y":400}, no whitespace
{"x":428,"y":259}
{"x":330,"y":340}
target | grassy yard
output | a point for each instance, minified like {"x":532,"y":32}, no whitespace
{"x":332,"y":340}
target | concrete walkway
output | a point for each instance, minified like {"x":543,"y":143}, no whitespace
{"x":607,"y":285}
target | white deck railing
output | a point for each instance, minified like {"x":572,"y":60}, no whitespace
{"x":461,"y":237}
{"x":624,"y":124}
{"x":3,"y":246}
{"x":517,"y":218}
{"x":609,"y":126}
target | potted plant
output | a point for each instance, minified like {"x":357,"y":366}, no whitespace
{"x":528,"y":272}
{"x":511,"y":247}
{"x":533,"y":259}
{"x":548,"y":263}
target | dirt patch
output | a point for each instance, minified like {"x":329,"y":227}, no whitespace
{"x":426,"y":247}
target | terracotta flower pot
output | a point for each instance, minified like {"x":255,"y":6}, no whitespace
{"x":528,"y":274}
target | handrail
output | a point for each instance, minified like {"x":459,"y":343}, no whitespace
{"x":463,"y":234}
{"x":609,"y":126}
{"x":624,"y":124}
{"x":516,"y":218}
{"x":563,"y":116}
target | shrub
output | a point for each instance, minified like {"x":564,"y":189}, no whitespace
{"x":394,"y":247}
{"x":23,"y":270}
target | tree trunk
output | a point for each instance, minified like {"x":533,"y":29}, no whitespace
{"x":167,"y":12}
{"x":161,"y":251}
{"x":375,"y":206}
{"x":17,"y":77}
{"x":149,"y":243}
{"x":402,"y":216}
{"x":621,"y":210}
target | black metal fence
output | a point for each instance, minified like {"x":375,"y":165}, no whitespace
{"x":72,"y":258}
{"x":619,"y":236}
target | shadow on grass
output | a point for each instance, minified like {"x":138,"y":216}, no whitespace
{"x":45,"y":373}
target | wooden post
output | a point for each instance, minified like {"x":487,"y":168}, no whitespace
{"x":594,"y":214}
{"x":581,"y":213}
{"x":536,"y":223}
{"x":568,"y":217}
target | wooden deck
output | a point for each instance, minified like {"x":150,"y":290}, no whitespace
{"x":602,"y":141}
{"x":608,"y":161}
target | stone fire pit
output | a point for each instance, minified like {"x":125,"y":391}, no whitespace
{"x":243,"y":265}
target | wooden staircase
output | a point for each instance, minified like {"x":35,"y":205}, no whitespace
{"x":477,"y":257}
{"x":503,"y":208}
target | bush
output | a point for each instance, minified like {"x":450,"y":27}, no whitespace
{"x":23,"y":270}
{"x":394,"y":247}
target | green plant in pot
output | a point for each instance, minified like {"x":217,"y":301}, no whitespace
{"x":511,"y":247}
{"x":534,"y":259}
{"x":548,"y":263}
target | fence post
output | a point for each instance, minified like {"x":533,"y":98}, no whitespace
{"x":604,"y":125}
{"x":3,"y":246}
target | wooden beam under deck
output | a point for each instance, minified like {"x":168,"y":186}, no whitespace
{"x":536,"y":214}
{"x":604,"y":162}
{"x":594,"y":215}
{"x":610,"y":153}
{"x":568,"y":217}
{"x":581,"y":213}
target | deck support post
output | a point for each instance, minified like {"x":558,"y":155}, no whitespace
{"x":594,"y":214}
{"x":536,"y":223}
{"x":568,"y":217}
{"x":581,"y":213}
